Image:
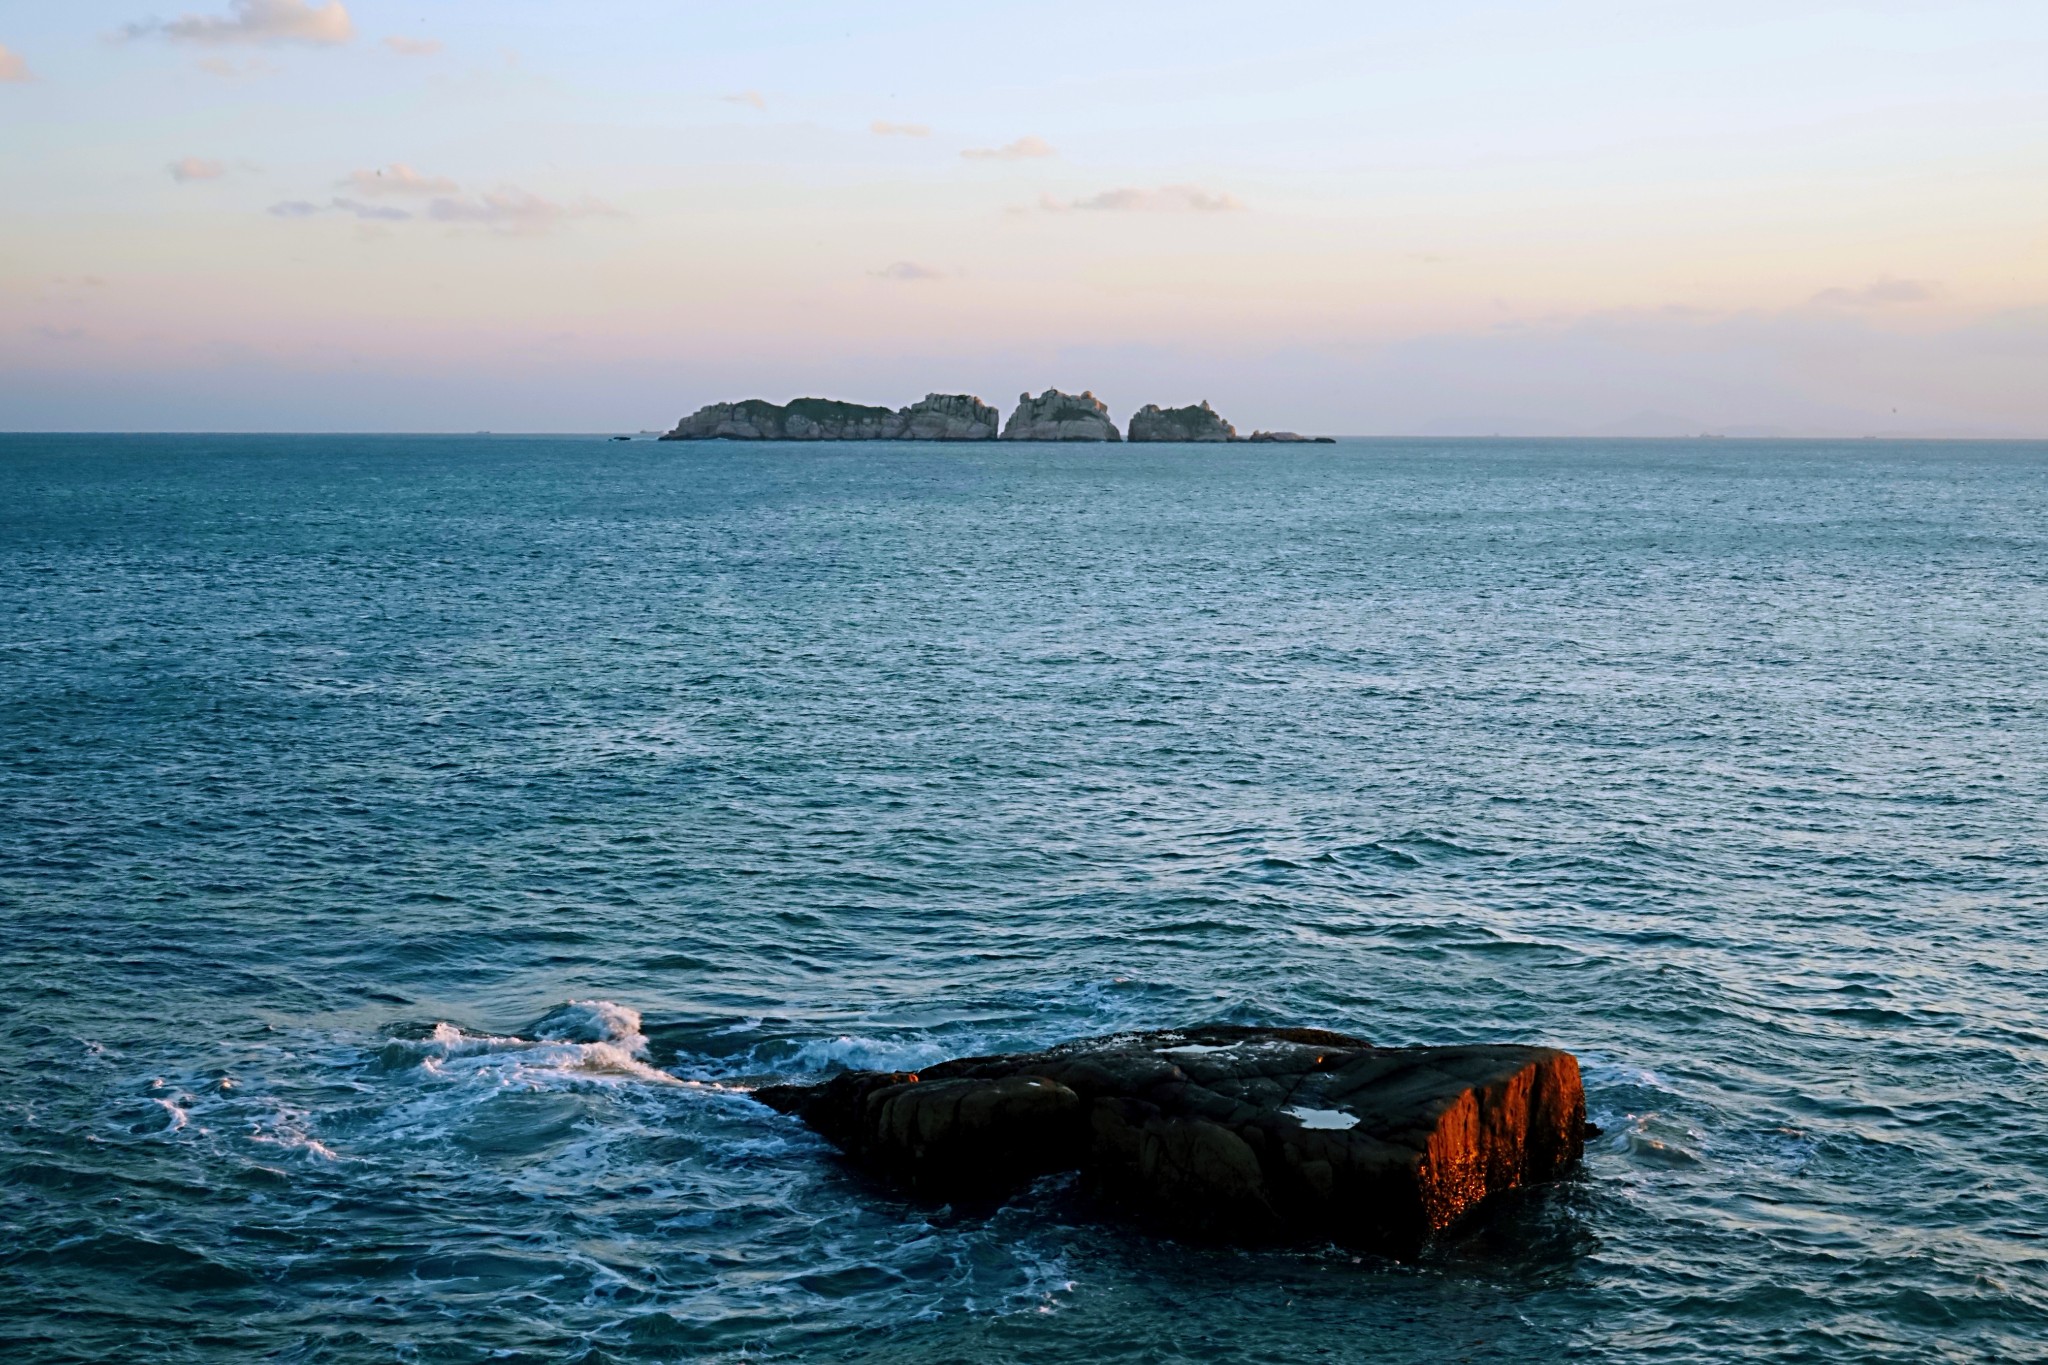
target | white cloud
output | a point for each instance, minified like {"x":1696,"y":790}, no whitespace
{"x":1878,"y":294}
{"x":515,"y":211}
{"x":751,"y":98}
{"x":191,"y":168}
{"x":13,"y":69}
{"x":882,"y":128}
{"x":293,"y":208}
{"x":398,"y":178}
{"x":1165,"y":199}
{"x":257,"y":21}
{"x":908,"y":271}
{"x":1023,"y":149}
{"x":414,"y":47}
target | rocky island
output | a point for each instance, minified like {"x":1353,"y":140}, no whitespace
{"x":1240,"y":1134}
{"x":1056,"y":416}
{"x":936,"y":417}
{"x":1051,"y":416}
{"x":1199,"y":423}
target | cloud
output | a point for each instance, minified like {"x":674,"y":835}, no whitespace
{"x":398,"y":178}
{"x":257,"y":21}
{"x":1165,"y":199}
{"x":13,"y":70}
{"x":509,"y":210}
{"x":1878,"y":294}
{"x":62,"y":333}
{"x":751,"y":98}
{"x":1023,"y":149}
{"x":228,"y":70}
{"x":515,"y":211}
{"x":881,"y":128}
{"x":382,"y":213}
{"x":907,"y":271}
{"x":191,"y":168}
{"x":353,"y":208}
{"x":414,"y":47}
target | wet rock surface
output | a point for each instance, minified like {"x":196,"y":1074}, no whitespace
{"x":1056,"y":416}
{"x":1241,"y":1134}
{"x":1198,"y":423}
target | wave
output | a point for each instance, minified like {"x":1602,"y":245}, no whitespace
{"x":577,"y":1041}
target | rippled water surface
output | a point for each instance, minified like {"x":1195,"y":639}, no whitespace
{"x":410,"y":850}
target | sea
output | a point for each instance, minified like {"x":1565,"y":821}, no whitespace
{"x":414,"y":849}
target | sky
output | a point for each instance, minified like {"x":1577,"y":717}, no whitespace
{"x":1568,"y":217}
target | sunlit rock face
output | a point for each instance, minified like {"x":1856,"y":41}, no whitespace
{"x":949,"y":417}
{"x":1242,"y":1134}
{"x":936,"y":417}
{"x":1056,"y":416}
{"x":1198,"y":423}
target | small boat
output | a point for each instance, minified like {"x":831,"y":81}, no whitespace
{"x":622,"y":438}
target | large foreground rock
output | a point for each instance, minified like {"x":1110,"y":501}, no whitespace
{"x":1238,"y":1133}
{"x":1199,"y":423}
{"x":1056,"y":416}
{"x":936,"y":417}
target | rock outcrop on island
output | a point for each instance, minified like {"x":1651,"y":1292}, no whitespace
{"x":937,"y":417}
{"x":1291,"y":438}
{"x":1056,"y":416}
{"x":1198,"y":423}
{"x":1244,"y":1134}
{"x":1052,"y":416}
{"x":949,"y":417}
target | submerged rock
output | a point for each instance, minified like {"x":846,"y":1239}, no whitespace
{"x":1236,"y":1133}
{"x":1199,"y":423}
{"x":936,"y":417}
{"x":1056,"y":416}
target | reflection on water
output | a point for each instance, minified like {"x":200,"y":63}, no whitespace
{"x":414,"y":849}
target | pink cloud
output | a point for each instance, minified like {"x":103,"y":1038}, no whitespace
{"x":257,"y":21}
{"x":1023,"y":149}
{"x":398,"y":179}
{"x":191,"y":168}
{"x":1165,"y":199}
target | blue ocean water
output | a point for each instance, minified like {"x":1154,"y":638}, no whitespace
{"x":412,"y":848}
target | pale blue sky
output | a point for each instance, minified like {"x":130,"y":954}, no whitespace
{"x":1570,"y":216}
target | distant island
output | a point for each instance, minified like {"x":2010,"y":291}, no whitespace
{"x":1051,"y":416}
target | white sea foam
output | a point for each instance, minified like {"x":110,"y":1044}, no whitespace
{"x":581,"y":1040}
{"x":868,"y":1054}
{"x":1334,"y":1120}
